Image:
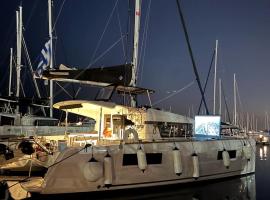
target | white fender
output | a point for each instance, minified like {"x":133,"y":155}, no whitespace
{"x":247,"y":152}
{"x":133,"y":132}
{"x":107,"y":170}
{"x":141,"y":157}
{"x":92,"y":170}
{"x":177,"y":161}
{"x":226,"y":158}
{"x":196,"y":168}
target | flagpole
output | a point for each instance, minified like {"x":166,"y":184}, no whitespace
{"x":51,"y":59}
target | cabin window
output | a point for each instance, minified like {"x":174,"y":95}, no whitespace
{"x":232,"y":154}
{"x":151,"y":158}
{"x":174,"y":129}
{"x":154,"y":158}
{"x":130,"y":159}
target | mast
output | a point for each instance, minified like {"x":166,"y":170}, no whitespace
{"x":19,"y":51}
{"x":219,"y":97}
{"x":137,"y":16}
{"x":266,"y":121}
{"x":51,"y":59}
{"x":256,"y":125}
{"x":10,"y":72}
{"x":253,"y":122}
{"x":215,"y":79}
{"x":234,"y":92}
{"x":247,"y":123}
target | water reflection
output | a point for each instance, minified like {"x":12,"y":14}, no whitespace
{"x":227,"y":189}
{"x":262,"y":172}
{"x":230,"y":189}
{"x":263,"y":152}
{"x":237,"y":188}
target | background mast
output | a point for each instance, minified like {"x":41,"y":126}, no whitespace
{"x":51,"y":59}
{"x":215,"y":79}
{"x":19,"y":52}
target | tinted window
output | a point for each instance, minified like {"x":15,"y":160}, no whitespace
{"x":151,"y":158}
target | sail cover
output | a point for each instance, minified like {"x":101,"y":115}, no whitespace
{"x":101,"y":76}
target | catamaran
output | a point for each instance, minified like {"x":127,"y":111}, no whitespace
{"x":136,"y":146}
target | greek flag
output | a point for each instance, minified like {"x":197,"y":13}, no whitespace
{"x":44,"y":59}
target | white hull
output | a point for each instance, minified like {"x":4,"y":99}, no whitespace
{"x":68,"y":176}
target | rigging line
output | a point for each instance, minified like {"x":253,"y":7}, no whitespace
{"x":32,"y":72}
{"x":100,"y":56}
{"x":144,"y":40}
{"x":63,"y":90}
{"x":175,"y":93}
{"x":57,"y":17}
{"x":21,"y":85}
{"x":128,"y":32}
{"x":77,"y":93}
{"x":144,"y":52}
{"x":239,"y":99}
{"x":23,"y":77}
{"x":241,"y":105}
{"x":191,"y":55}
{"x":102,"y":35}
{"x":75,"y":153}
{"x":121,"y":33}
{"x":207,"y":78}
{"x":103,"y":54}
{"x":34,"y":7}
{"x":225,"y":101}
{"x":73,"y":91}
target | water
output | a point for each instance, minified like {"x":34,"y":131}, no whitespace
{"x":255,"y":186}
{"x":262,"y":175}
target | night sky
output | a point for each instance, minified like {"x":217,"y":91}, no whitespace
{"x":242,"y":28}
